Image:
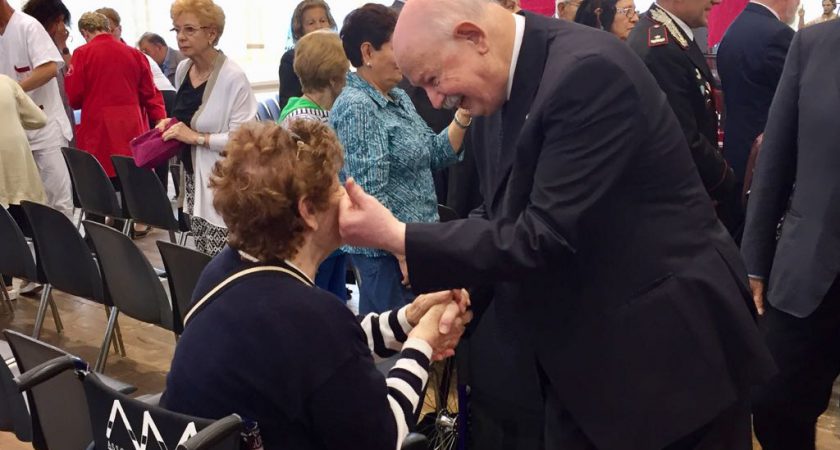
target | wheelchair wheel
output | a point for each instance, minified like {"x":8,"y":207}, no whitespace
{"x":441,"y":421}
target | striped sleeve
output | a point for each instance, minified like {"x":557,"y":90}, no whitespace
{"x":406,"y":381}
{"x":386,"y":332}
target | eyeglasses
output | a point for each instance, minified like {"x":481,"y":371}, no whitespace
{"x":187,"y":30}
{"x":630,"y":11}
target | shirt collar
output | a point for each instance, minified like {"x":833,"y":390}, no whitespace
{"x":683,"y":26}
{"x":517,"y":48}
{"x":355,"y":81}
{"x":768,"y":8}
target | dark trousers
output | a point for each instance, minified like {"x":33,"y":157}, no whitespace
{"x":730,"y":430}
{"x":807,"y":353}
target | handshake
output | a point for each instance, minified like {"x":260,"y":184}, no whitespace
{"x":439,"y":319}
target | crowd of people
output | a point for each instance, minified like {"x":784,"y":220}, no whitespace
{"x":637,"y":281}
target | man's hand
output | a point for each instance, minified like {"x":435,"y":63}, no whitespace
{"x":364,"y":222}
{"x":421,"y":305}
{"x":757,"y":287}
{"x":443,"y":344}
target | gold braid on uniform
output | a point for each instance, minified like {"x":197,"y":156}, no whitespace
{"x":673,"y":29}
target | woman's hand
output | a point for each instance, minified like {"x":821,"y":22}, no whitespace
{"x":429,"y":329}
{"x":464,"y":116}
{"x":418,"y":308}
{"x":162,"y":124}
{"x":182,"y":133}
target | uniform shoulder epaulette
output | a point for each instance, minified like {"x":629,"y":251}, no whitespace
{"x":657,"y":35}
{"x":673,"y":29}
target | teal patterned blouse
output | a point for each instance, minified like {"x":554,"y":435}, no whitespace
{"x":390,"y":151}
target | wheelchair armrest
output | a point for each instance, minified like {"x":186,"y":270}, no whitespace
{"x":214,"y":433}
{"x":415,"y":441}
{"x":44,"y":372}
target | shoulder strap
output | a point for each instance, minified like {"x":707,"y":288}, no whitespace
{"x":229,"y":280}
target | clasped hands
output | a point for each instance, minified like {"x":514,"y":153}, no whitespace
{"x":439,"y":319}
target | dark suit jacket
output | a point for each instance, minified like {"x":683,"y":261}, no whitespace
{"x":289,"y":82}
{"x":604,"y":248}
{"x":684,"y":75}
{"x":170,"y":64}
{"x":800,"y":147}
{"x":749,"y":61}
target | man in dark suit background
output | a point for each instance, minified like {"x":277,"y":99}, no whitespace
{"x":599,"y":239}
{"x":165,"y":56}
{"x":800,"y":268}
{"x":664,"y":39}
{"x":749,"y":62}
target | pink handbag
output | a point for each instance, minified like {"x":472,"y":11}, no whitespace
{"x":150,"y":150}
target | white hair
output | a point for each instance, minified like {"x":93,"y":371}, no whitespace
{"x":445,"y":14}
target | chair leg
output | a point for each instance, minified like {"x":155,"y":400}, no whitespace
{"x":119,"y":347}
{"x":81,"y":218}
{"x":59,"y":325}
{"x":183,"y":238}
{"x":127,"y":227}
{"x":172,"y":237}
{"x":7,"y":301}
{"x":99,"y":366}
{"x":42,"y":311}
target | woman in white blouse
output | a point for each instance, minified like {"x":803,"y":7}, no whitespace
{"x":214,"y":98}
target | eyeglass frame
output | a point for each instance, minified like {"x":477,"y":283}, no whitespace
{"x":628,"y":11}
{"x":189,"y":30}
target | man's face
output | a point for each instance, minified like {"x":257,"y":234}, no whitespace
{"x":157,"y":52}
{"x":695,"y":13}
{"x":454,"y":74}
{"x":828,"y":6}
{"x":567,"y":9}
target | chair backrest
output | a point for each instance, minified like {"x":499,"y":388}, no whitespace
{"x":145,"y":196}
{"x":447,"y":214}
{"x":94,"y":188}
{"x":183,"y":267}
{"x":273,"y":108}
{"x":63,"y":254}
{"x":262,"y":112}
{"x":58,"y":405}
{"x":134,"y":286}
{"x":120,"y":421}
{"x":14,"y":417}
{"x":15,"y":257}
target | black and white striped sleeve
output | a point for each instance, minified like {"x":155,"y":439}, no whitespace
{"x":406,"y":381}
{"x":386,"y":332}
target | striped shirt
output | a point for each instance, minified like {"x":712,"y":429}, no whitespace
{"x":273,"y":348}
{"x":390,"y":151}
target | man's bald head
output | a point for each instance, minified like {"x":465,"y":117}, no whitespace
{"x":444,"y":45}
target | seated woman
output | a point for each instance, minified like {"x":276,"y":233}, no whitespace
{"x":617,"y":17}
{"x":270,"y":346}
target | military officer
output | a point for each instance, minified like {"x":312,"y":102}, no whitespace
{"x":664,"y":40}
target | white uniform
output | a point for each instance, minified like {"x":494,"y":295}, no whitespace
{"x":24,"y":46}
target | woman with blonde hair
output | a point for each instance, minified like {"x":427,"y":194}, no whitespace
{"x":214,"y":98}
{"x":112,"y":84}
{"x":309,"y":16}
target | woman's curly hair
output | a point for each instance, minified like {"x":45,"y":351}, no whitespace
{"x":265,"y":170}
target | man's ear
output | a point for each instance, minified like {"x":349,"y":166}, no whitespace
{"x":307,"y":213}
{"x":472,"y":33}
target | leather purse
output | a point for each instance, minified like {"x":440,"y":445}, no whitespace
{"x":150,"y":150}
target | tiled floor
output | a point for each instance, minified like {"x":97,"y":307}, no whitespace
{"x":149,"y":349}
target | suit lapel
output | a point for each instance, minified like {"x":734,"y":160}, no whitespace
{"x":526,"y":81}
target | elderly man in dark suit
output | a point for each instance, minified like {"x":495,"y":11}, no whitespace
{"x":800,"y":266}
{"x":598,"y":238}
{"x":664,"y":39}
{"x":749,"y":61}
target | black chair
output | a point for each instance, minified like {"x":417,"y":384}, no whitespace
{"x":134,"y":287}
{"x":57,"y":407}
{"x":14,"y":416}
{"x":94,"y":188}
{"x":183,"y":266}
{"x":145,"y":196}
{"x":118,"y":421}
{"x":70,"y":266}
{"x":447,"y":214}
{"x":16,"y":260}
